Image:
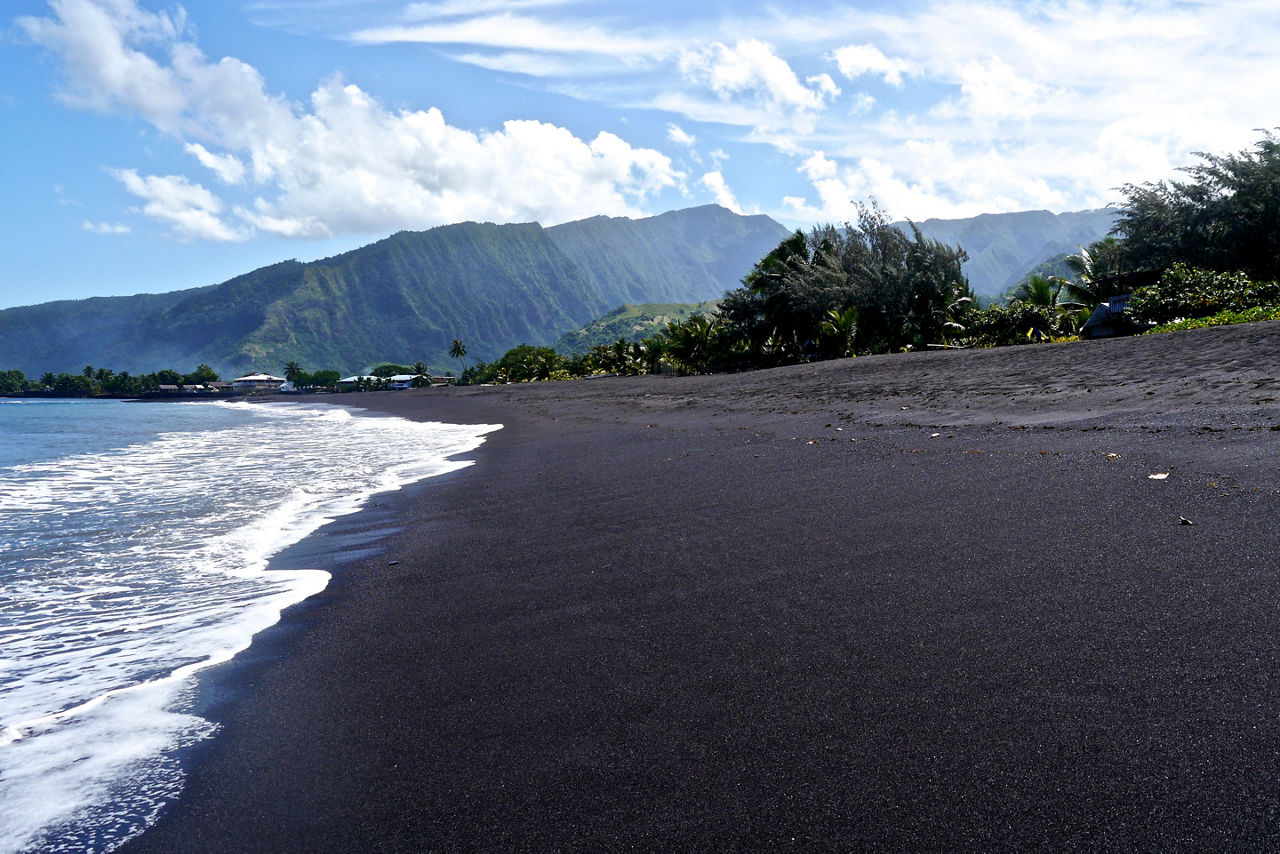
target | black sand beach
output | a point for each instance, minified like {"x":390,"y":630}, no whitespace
{"x":915,"y":602}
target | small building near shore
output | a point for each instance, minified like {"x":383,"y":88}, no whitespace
{"x":354,"y":380}
{"x":401,"y":381}
{"x":257,"y":382}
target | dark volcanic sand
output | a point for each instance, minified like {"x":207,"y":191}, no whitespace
{"x":926,"y":601}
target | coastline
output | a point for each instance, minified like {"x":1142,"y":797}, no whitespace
{"x":931,"y":600}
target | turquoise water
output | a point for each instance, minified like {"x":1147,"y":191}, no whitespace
{"x":134,"y":541}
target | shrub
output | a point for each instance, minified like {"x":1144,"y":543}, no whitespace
{"x":1223,"y":318}
{"x":1185,"y":292}
{"x":1020,"y":323}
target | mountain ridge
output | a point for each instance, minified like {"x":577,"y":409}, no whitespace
{"x":1003,"y":247}
{"x":405,"y":297}
{"x":402,"y":298}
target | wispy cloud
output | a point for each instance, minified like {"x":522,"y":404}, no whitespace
{"x":509,"y":31}
{"x":715,"y":182}
{"x":856,"y":60}
{"x":752,"y":69}
{"x":467,"y":8}
{"x":105,"y":227}
{"x":677,"y":134}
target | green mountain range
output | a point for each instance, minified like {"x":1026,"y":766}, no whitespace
{"x":402,"y":299}
{"x":405,"y":298}
{"x":1003,"y":248}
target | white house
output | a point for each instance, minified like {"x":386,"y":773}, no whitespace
{"x":258,"y":382}
{"x":401,"y":381}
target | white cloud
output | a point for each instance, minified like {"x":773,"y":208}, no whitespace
{"x":343,"y":163}
{"x":227,"y":166}
{"x":532,"y":64}
{"x":985,"y":104}
{"x":1021,"y":107}
{"x":105,"y":227}
{"x":927,"y":180}
{"x":714,"y":181}
{"x":191,"y":210}
{"x":824,"y":84}
{"x":992,"y":90}
{"x":855,"y":60}
{"x":458,"y":8}
{"x":355,"y":167}
{"x":519,"y":32}
{"x":752,"y":68}
{"x":101,"y":46}
{"x":677,"y":135}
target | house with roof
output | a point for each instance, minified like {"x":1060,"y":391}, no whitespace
{"x":257,"y":382}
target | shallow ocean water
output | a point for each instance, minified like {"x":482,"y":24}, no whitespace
{"x":134,"y":543}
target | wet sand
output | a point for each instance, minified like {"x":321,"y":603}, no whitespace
{"x":919,"y":601}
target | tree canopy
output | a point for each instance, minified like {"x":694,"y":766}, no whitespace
{"x":867,"y":286}
{"x":1226,"y":217}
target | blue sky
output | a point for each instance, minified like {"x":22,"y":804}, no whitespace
{"x":150,"y":146}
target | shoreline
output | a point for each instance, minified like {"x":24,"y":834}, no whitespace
{"x":931,"y":600}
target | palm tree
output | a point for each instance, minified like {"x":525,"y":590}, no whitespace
{"x":689,"y":343}
{"x":458,"y":350}
{"x":1095,"y":273}
{"x":292,"y":371}
{"x":1039,"y":291}
{"x":420,"y":375}
{"x":838,"y":330}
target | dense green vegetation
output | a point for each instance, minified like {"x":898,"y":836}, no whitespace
{"x":869,"y":287}
{"x":101,"y":381}
{"x":1222,"y":318}
{"x":105,"y":382}
{"x":1207,"y":246}
{"x":631,"y":323}
{"x":1225,"y":218}
{"x":1185,"y":292}
{"x":1194,"y":253}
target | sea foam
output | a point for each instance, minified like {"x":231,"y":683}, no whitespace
{"x":133,"y":563}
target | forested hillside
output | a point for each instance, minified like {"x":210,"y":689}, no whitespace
{"x":630,"y":322}
{"x":681,"y":256}
{"x":406,"y":298}
{"x":1003,"y":248}
{"x":402,"y":299}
